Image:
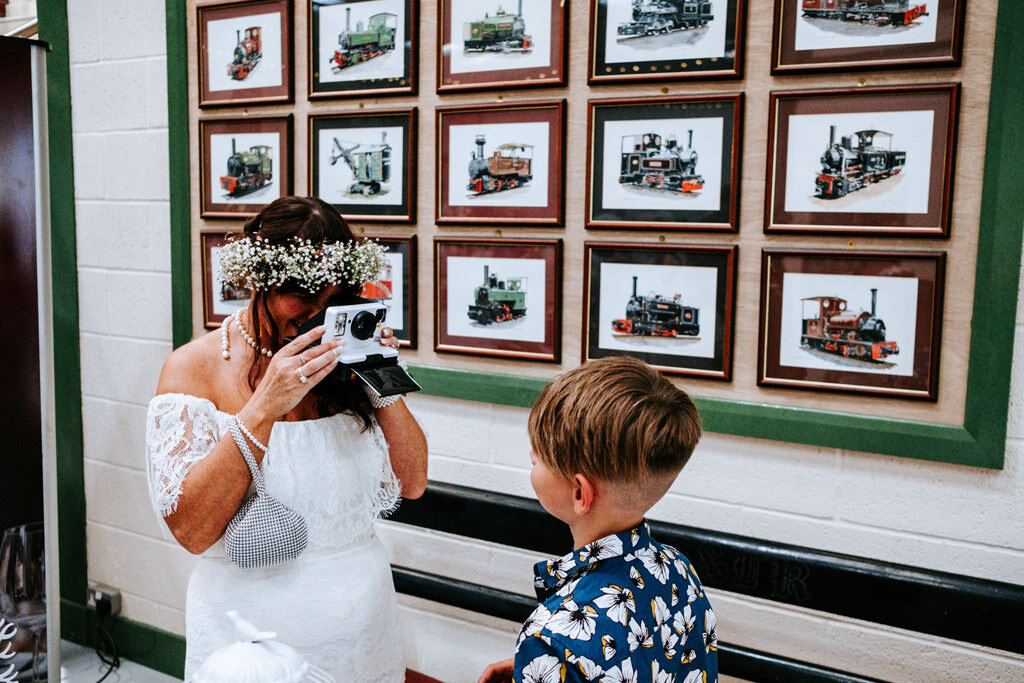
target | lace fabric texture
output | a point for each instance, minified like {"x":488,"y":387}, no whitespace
{"x":335,"y":603}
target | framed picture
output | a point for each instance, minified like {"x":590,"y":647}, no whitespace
{"x":664,"y":163}
{"x":864,"y":322}
{"x":245,"y":52}
{"x":244,"y":164}
{"x":875,"y":161}
{"x":364,"y":163}
{"x":219,"y":299}
{"x":668,"y":305}
{"x":362,"y":47}
{"x":396,"y":286}
{"x":498,"y":297}
{"x":501,"y":163}
{"x":640,"y":41}
{"x":498,"y":44}
{"x":830,"y":35}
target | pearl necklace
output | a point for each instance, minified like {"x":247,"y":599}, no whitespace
{"x":225,"y":344}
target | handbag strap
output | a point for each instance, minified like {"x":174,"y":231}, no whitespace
{"x":250,"y":460}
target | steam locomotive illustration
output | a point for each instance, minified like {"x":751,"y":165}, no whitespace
{"x":836,"y":330}
{"x":855,"y":162}
{"x":247,"y":171}
{"x":508,"y":166}
{"x":657,"y":316}
{"x":502,"y":32}
{"x":248,"y":53}
{"x":370,"y":164}
{"x":647,"y":162}
{"x":651,"y":17}
{"x":894,"y":13}
{"x":355,"y":47}
{"x":498,"y":300}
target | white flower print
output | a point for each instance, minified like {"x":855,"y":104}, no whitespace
{"x":660,"y":611}
{"x":675,"y":595}
{"x":559,"y":568}
{"x":683,"y":622}
{"x":534,"y":623}
{"x":639,"y":636}
{"x":574,"y":621}
{"x":634,"y":536}
{"x":634,"y":576}
{"x":569,"y":586}
{"x":710,"y":634}
{"x":602,"y":548}
{"x":698,"y":676}
{"x":670,"y":642}
{"x":692,"y":592}
{"x":689,"y":656}
{"x":617,"y":603}
{"x":588,"y":667}
{"x":680,"y":566}
{"x":659,"y":676}
{"x":608,"y":646}
{"x":621,"y":674}
{"x":544,"y":669}
{"x":655,"y":562}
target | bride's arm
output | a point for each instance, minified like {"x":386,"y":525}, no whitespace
{"x":407,"y":446}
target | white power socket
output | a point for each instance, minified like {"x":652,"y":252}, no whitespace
{"x":99,"y":592}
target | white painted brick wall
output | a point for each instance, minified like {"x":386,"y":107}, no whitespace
{"x":931,"y":515}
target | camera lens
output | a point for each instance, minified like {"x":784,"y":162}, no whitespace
{"x":364,"y":325}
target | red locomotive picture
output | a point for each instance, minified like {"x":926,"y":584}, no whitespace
{"x":381,"y":289}
{"x":894,"y":13}
{"x":836,"y":330}
{"x":855,"y":162}
{"x":248,"y":53}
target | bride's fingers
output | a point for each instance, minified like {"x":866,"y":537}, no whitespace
{"x":321,"y":372}
{"x":298,"y":344}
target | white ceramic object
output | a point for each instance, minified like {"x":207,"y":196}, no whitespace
{"x":256,"y":658}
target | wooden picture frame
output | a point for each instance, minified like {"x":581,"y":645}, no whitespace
{"x":364,"y":163}
{"x":514,"y":176}
{"x":817,"y":35}
{"x":670,"y":305}
{"x":480,"y":46}
{"x":851,"y":321}
{"x":520,"y":316}
{"x":219,"y":300}
{"x":379,"y":59}
{"x":664,"y":163}
{"x":655,"y":48}
{"x":869,"y":161}
{"x":397,"y":286}
{"x":245,"y":53}
{"x":231,"y":146}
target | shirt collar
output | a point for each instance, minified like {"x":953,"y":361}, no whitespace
{"x":550,"y":575}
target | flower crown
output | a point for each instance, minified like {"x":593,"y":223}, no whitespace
{"x":258,"y":264}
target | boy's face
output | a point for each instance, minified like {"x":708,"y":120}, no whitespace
{"x":553,"y":491}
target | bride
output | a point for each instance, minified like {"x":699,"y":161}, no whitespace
{"x":339,"y":462}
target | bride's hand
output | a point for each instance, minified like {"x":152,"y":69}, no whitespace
{"x":293,"y":371}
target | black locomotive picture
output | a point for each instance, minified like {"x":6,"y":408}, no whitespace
{"x":648,"y":161}
{"x":248,"y":53}
{"x":500,"y":32}
{"x":653,"y":17}
{"x":498,"y":300}
{"x":893,"y":13}
{"x":855,"y":162}
{"x":508,"y":167}
{"x":836,"y":330}
{"x":657,"y":316}
{"x":248,"y":171}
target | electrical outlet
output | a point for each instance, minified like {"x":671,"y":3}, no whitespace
{"x":99,"y":592}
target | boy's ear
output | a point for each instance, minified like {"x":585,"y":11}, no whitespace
{"x":583,"y":494}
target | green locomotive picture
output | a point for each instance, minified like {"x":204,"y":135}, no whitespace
{"x":498,"y":300}
{"x":366,"y":42}
{"x":248,"y":170}
{"x":500,"y":32}
{"x":370,"y":164}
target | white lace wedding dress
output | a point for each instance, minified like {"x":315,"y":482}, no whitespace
{"x":335,"y":603}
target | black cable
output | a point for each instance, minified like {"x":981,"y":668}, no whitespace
{"x":105,"y":641}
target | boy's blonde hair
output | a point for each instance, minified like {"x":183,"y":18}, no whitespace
{"x":615,"y":419}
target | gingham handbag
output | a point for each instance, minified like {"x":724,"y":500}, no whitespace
{"x":264,"y":532}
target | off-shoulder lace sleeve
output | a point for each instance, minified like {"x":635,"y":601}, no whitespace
{"x":388,"y":493}
{"x":180,"y":431}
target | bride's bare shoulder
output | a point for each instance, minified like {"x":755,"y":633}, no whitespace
{"x":193,"y":367}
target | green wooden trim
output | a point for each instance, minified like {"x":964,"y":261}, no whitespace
{"x":53,"y":28}
{"x":177,"y":164}
{"x":141,"y":643}
{"x":980,"y":441}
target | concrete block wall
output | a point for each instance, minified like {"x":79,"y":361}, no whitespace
{"x":931,"y":515}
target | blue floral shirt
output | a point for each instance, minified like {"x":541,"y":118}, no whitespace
{"x":623,"y":609}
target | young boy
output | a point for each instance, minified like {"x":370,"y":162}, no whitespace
{"x":608,"y":439}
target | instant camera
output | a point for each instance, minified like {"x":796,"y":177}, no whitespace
{"x":358,"y":322}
